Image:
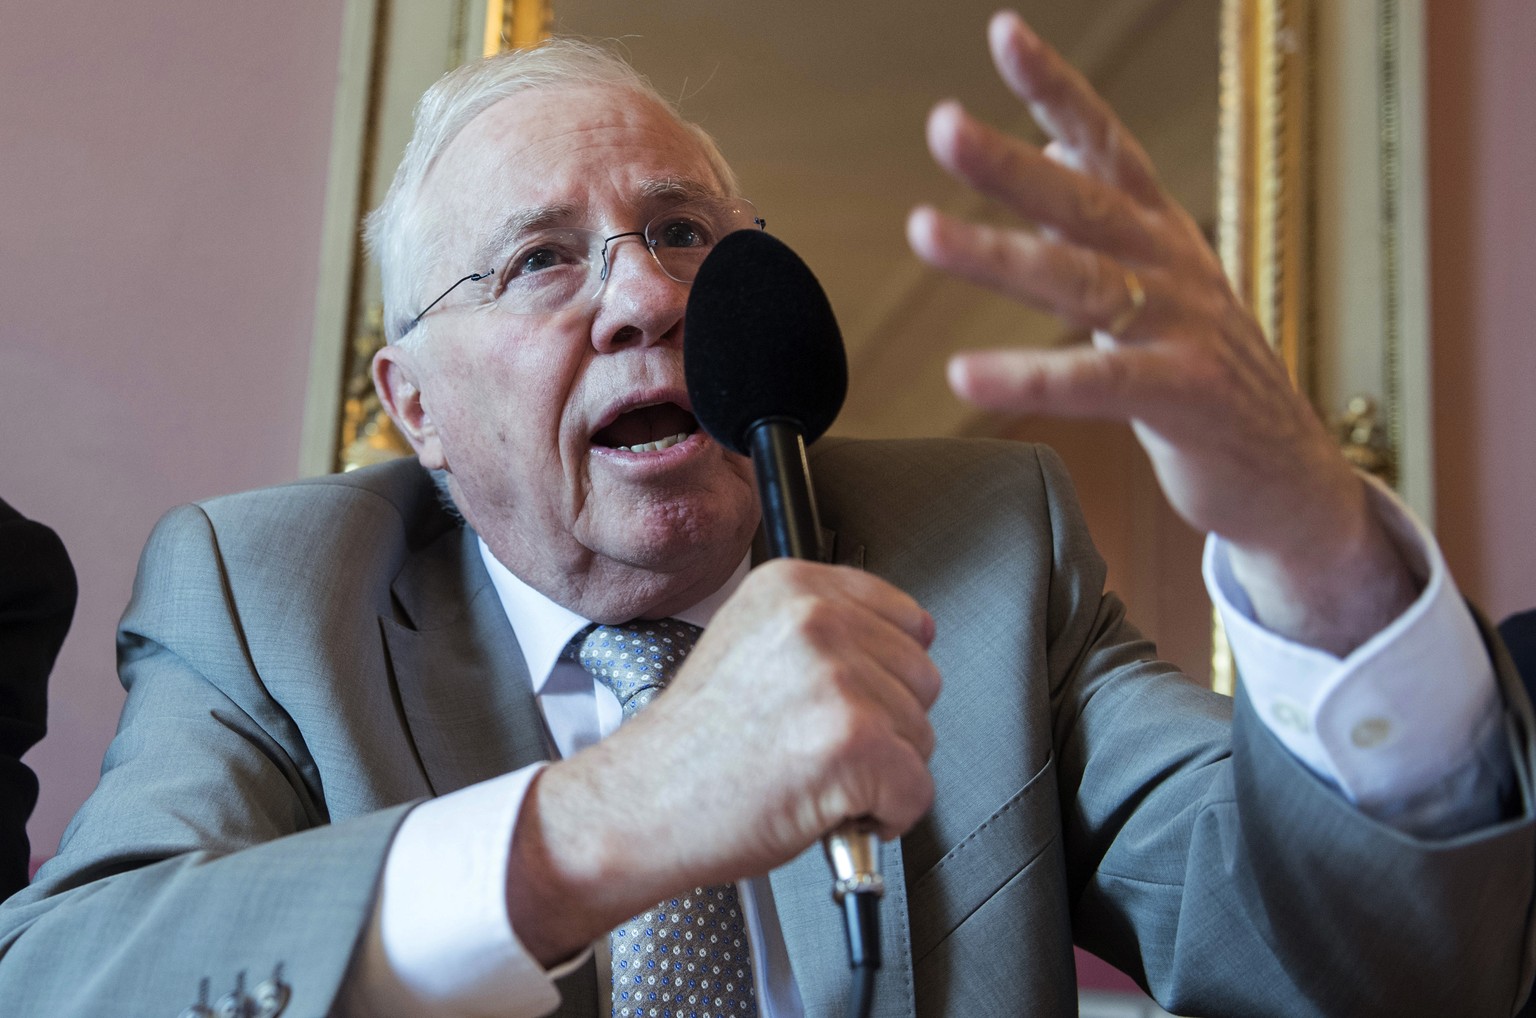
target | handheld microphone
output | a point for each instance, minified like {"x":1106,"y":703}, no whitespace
{"x":766,"y":374}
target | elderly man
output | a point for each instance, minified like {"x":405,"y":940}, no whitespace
{"x":307,"y":665}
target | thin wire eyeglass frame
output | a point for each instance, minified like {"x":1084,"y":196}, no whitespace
{"x":644,"y":235}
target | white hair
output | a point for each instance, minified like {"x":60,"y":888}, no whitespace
{"x":398,"y":235}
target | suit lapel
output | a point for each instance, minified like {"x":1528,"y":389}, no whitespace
{"x":463,"y":683}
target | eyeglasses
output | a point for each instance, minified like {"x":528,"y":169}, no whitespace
{"x":552,"y":270}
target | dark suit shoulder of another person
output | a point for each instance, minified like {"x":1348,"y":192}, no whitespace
{"x":37,"y":601}
{"x":1519,"y":634}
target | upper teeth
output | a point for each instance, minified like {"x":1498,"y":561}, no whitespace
{"x":658,"y":445}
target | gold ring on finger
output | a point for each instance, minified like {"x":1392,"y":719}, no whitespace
{"x":1137,"y":295}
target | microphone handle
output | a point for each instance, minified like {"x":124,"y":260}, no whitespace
{"x":793,"y":529}
{"x":777,"y":446}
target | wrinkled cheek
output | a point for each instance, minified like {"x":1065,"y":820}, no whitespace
{"x":741,"y":467}
{"x":743,"y":484}
{"x":730,"y":510}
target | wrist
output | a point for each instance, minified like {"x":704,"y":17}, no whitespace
{"x":549,"y":876}
{"x":573,"y":870}
{"x":1343,"y":579}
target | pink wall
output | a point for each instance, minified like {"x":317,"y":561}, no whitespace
{"x":1482,"y":168}
{"x":163,"y":179}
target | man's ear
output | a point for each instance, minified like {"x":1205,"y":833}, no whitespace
{"x":396,"y":375}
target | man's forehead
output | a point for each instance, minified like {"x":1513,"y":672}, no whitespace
{"x":526,"y":139}
{"x":540,"y":156}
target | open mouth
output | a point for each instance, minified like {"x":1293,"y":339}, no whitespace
{"x":647,"y":429}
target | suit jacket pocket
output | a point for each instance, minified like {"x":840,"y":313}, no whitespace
{"x":1023,"y":832}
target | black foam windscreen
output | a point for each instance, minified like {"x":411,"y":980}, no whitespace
{"x":760,"y":341}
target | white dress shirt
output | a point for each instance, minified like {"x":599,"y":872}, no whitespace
{"x":1399,"y":727}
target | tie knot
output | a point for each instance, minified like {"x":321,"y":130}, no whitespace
{"x":634,"y":660}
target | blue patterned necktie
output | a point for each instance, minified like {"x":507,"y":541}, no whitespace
{"x":686,"y":957}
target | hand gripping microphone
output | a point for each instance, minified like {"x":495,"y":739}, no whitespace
{"x":766,"y":374}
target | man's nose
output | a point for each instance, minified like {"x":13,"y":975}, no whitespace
{"x":638,"y":301}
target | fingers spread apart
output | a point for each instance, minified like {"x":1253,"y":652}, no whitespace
{"x":1066,"y":107}
{"x":1070,"y":204}
{"x":1080,"y":381}
{"x":1083,"y":286}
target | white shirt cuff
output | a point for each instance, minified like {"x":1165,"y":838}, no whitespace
{"x":440,"y":942}
{"x":1404,"y":713}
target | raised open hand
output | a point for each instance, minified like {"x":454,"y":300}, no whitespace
{"x":1237,"y":450}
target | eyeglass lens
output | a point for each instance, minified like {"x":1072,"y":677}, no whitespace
{"x":555,"y":268}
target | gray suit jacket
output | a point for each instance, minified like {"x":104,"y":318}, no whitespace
{"x":304,"y":662}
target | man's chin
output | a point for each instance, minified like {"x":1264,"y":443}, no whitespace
{"x":664,"y":574}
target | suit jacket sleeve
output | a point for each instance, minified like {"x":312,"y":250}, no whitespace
{"x":1087,"y":791}
{"x":206,"y":856}
{"x":1227,"y":877}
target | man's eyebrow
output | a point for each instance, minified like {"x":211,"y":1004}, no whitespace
{"x":676,"y":189}
{"x":650,"y":194}
{"x":540,"y":217}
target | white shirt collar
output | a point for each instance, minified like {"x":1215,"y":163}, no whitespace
{"x":543,"y":628}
